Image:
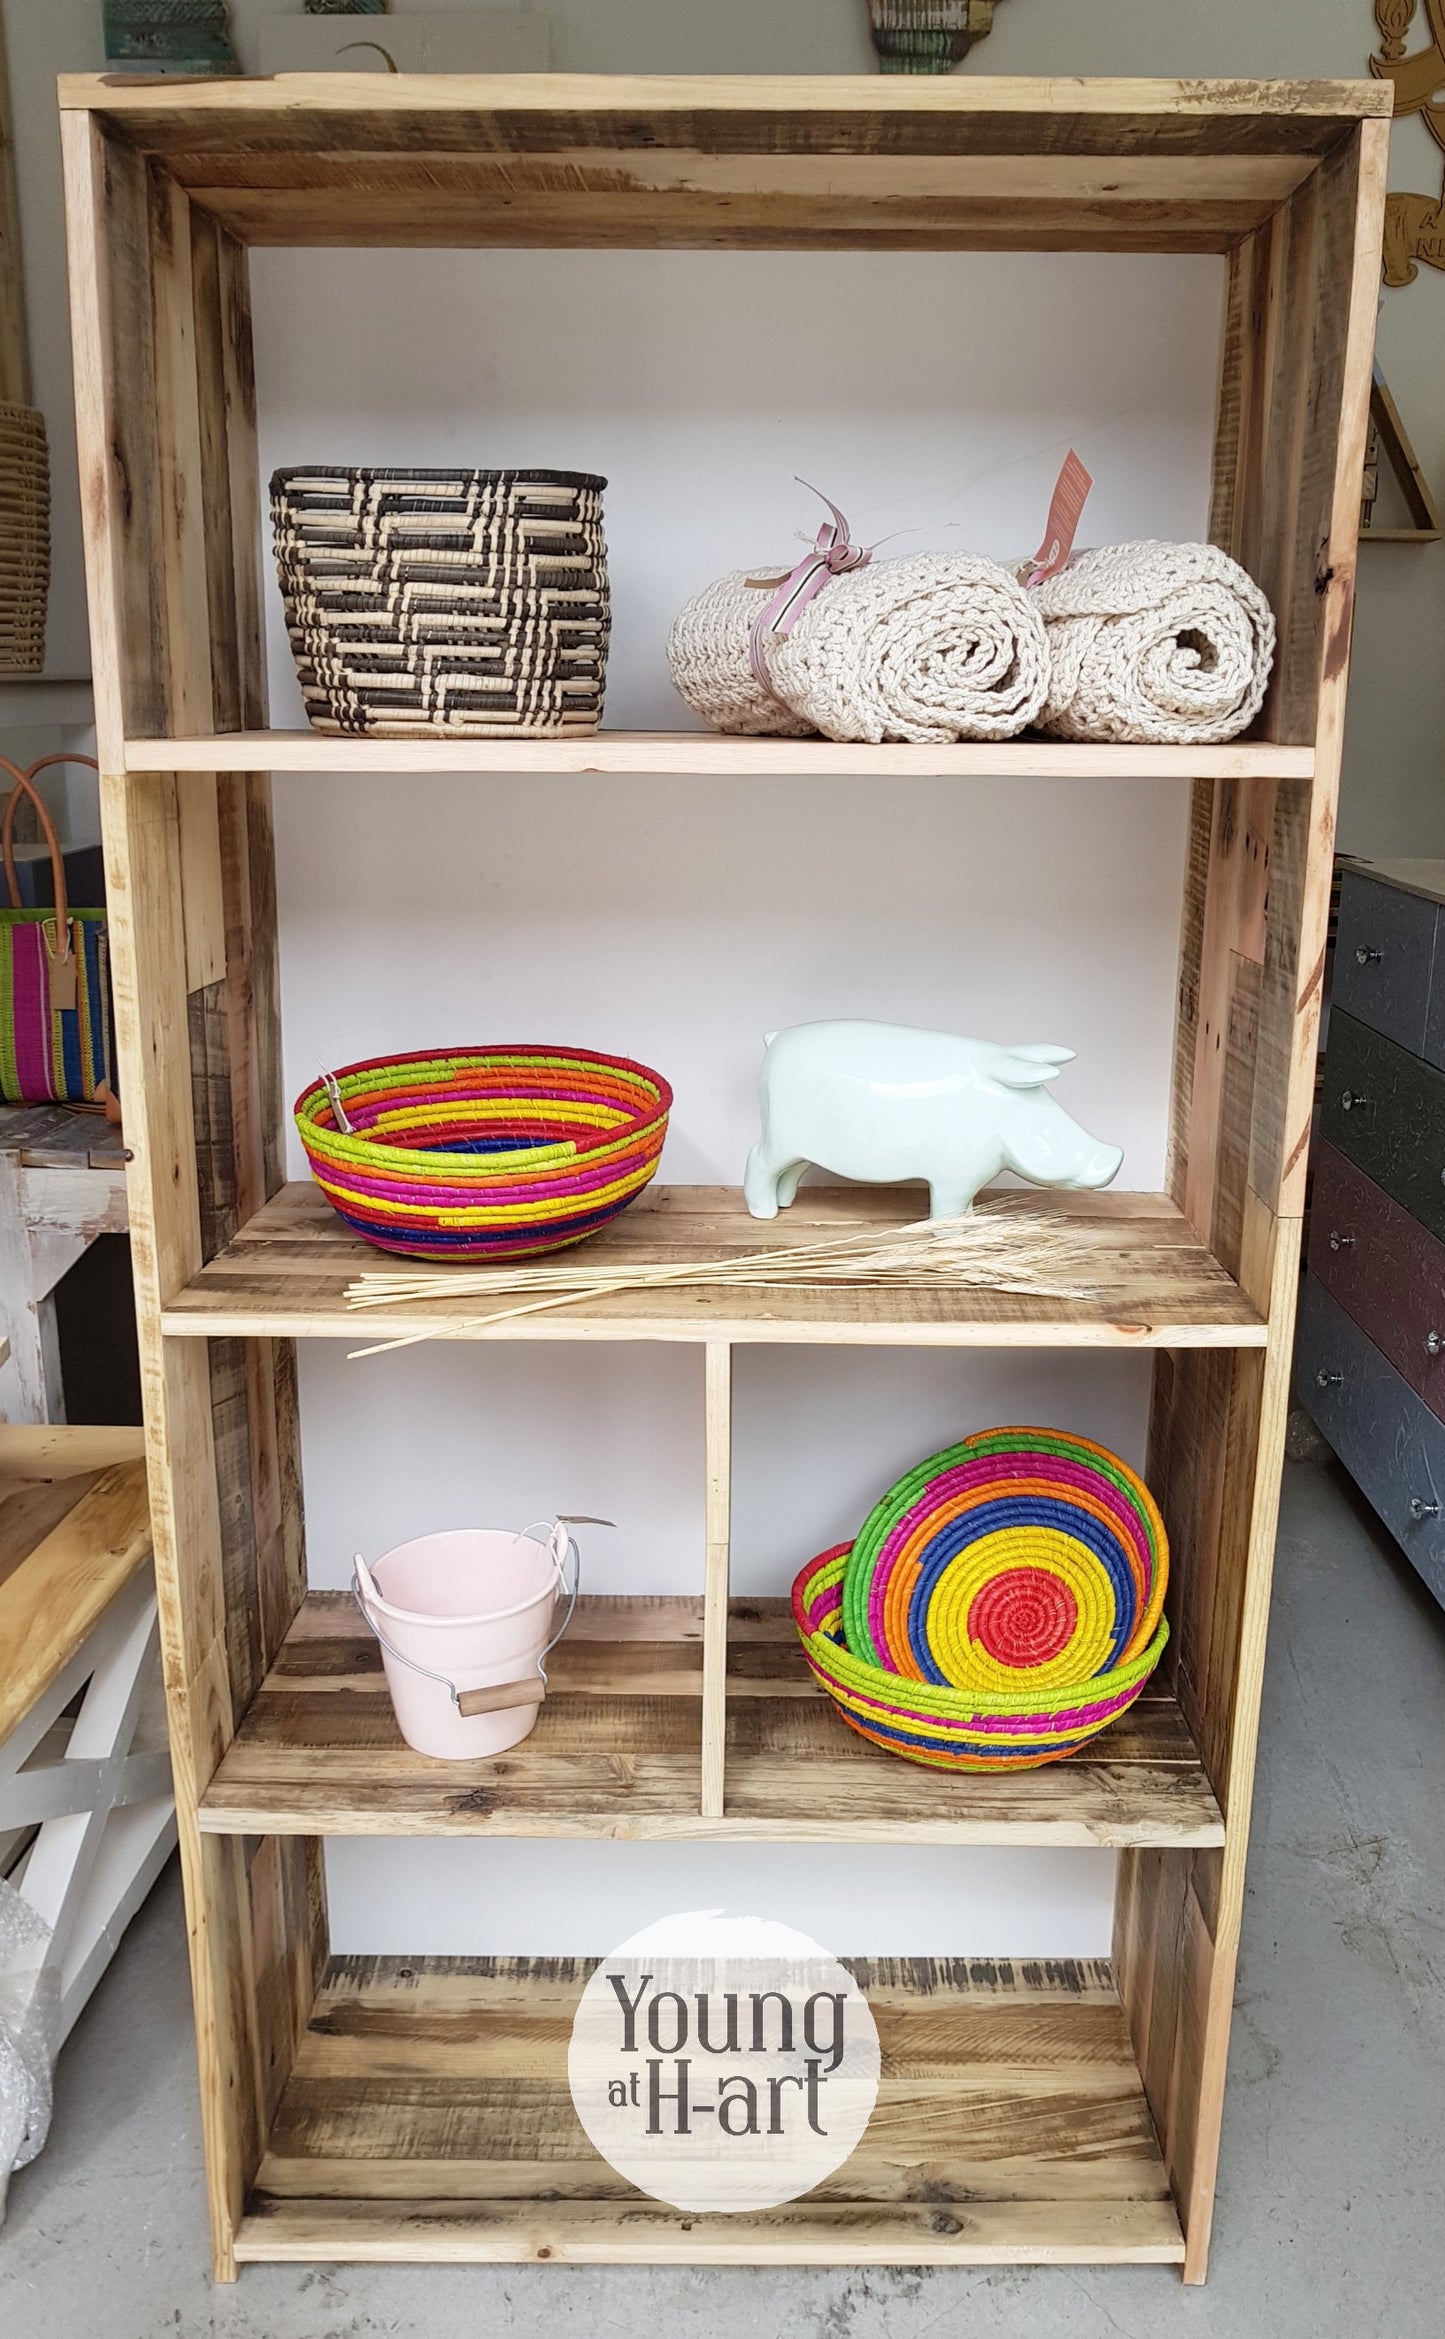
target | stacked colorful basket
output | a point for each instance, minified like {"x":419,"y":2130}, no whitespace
{"x":1000,"y":1605}
{"x":487,"y":1153}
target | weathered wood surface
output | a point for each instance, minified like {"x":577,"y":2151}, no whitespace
{"x":433,"y":2096}
{"x":559,"y":160}
{"x":617,"y":1751}
{"x":1155,"y":1285}
{"x":714,"y":755}
{"x":1289,"y":457}
{"x":165,"y":408}
{"x":69,"y":1541}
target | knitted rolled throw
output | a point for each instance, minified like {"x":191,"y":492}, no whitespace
{"x":708,"y":651}
{"x":932,"y":647}
{"x":1168,"y":644}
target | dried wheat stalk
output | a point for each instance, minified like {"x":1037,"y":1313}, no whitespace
{"x":988,"y":1250}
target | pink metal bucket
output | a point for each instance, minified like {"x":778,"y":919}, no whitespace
{"x":463,"y":1619}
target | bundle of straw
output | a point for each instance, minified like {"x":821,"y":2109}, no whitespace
{"x":990,"y":1250}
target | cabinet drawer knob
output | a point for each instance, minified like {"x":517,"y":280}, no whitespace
{"x":1423,"y":1510}
{"x":1342,"y":1242}
{"x":1353,"y":1102}
{"x":1325,"y":1379}
{"x":1434,"y":1344}
{"x":1364,"y":956}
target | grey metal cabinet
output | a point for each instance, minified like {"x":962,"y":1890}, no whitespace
{"x":1370,"y":1358}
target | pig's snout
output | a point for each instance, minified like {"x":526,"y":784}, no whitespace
{"x":1102,"y":1166}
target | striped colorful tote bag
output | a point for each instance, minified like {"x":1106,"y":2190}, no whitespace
{"x":55,"y":1021}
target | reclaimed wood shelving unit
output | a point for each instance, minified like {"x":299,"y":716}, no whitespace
{"x":387,"y":2110}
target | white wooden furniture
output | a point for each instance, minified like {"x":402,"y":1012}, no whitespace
{"x":87,"y":1815}
{"x":62,"y":1184}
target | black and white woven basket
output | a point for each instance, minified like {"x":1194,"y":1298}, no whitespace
{"x":461,"y":601}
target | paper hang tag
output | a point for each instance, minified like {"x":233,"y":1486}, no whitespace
{"x":60,"y":961}
{"x":1071,"y":493}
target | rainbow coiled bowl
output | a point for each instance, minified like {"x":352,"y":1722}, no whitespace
{"x":1001,"y":1605}
{"x":484,"y":1153}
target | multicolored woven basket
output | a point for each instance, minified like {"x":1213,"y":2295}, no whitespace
{"x":1001,"y":1604}
{"x":484,"y":1153}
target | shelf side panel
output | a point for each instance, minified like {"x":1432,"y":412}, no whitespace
{"x":1299,"y":332}
{"x":160,"y":372}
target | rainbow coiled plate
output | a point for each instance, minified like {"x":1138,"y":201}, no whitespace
{"x":1001,"y":1604}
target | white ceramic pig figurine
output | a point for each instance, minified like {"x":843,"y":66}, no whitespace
{"x":883,"y":1102}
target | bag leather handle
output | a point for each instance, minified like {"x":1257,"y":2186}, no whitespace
{"x":25,"y":783}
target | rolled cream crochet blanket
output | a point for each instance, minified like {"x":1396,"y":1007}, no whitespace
{"x":708,"y":651}
{"x":929,"y":648}
{"x":1167,"y":644}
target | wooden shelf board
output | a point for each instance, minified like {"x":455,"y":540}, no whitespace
{"x":428,"y":2117}
{"x":750,"y":162}
{"x":616,"y":1752}
{"x":1155,"y":1286}
{"x":712,"y":754}
{"x":74,"y":1527}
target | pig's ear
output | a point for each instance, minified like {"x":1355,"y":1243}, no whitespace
{"x":1017,"y":1068}
{"x":1043,"y":1054}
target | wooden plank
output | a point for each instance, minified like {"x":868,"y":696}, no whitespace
{"x":440,"y":2232}
{"x":717,"y":1535}
{"x":926,"y":183}
{"x":711,"y":754}
{"x":181,"y":499}
{"x":418,"y":216}
{"x":250,"y":1981}
{"x":287,"y":1273}
{"x":837,"y":113}
{"x":52,"y":1601}
{"x":617,"y":1747}
{"x":1290,"y":452}
{"x":1010,"y":2125}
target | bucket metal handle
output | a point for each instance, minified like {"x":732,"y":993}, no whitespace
{"x":498,"y":1696}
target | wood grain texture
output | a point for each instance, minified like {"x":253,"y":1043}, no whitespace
{"x":1290,"y":445}
{"x":287,"y":1272}
{"x":88,"y":1541}
{"x":430,"y":2098}
{"x":617,"y":1751}
{"x":717,"y":1544}
{"x":713,"y":755}
{"x":177,"y":910}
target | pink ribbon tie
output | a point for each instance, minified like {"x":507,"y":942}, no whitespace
{"x":834,"y":553}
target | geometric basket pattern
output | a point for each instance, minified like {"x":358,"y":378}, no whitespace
{"x":431,"y":601}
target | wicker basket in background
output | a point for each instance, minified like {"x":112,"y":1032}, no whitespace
{"x":24,"y":539}
{"x":461,"y":601}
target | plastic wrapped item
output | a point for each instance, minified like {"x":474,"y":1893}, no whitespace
{"x":29,"y":2005}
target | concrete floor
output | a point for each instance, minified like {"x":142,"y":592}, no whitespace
{"x":1329,"y":2221}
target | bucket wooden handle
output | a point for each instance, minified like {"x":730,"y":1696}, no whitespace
{"x":501,"y":1695}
